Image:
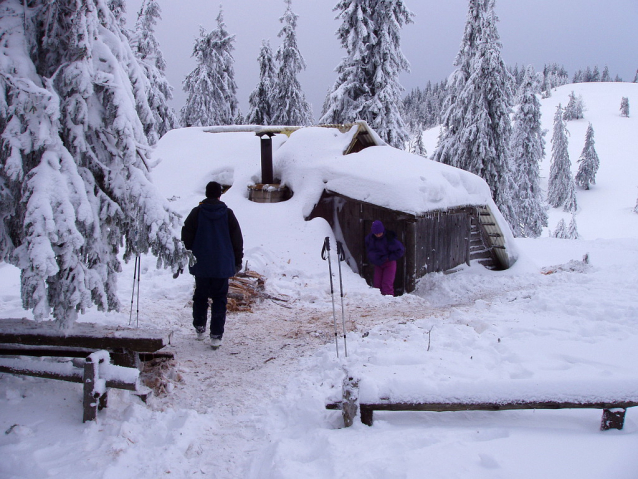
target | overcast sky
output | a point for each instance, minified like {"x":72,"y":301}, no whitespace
{"x":574,"y":33}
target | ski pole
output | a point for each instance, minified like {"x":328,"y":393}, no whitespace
{"x":130,"y":318}
{"x":341,"y":256}
{"x":136,"y":275}
{"x":325,"y":254}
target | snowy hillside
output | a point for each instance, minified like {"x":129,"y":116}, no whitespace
{"x":255,"y":408}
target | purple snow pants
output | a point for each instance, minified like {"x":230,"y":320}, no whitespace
{"x":384,"y":277}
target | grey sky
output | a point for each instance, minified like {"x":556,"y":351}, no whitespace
{"x":574,"y":33}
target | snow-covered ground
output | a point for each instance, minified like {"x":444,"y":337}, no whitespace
{"x":255,"y":408}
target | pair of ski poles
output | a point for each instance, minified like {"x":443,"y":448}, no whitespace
{"x":325,"y":254}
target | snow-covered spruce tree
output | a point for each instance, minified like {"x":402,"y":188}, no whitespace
{"x":561,"y":230}
{"x":595,"y":76}
{"x":147,"y":49}
{"x":367,"y":86}
{"x":476,"y":120}
{"x":528,"y":149}
{"x":575,"y":108}
{"x":291,"y":107}
{"x":262,"y":99}
{"x":118,"y":7}
{"x":572,"y":229}
{"x":606,"y":76}
{"x":416,"y":145}
{"x":211,"y":87}
{"x":624,"y":107}
{"x":74,"y":185}
{"x":561,"y":183}
{"x":588,"y":162}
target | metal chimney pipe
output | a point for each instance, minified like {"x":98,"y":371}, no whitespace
{"x":266,"y":158}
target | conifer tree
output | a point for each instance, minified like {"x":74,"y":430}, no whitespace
{"x":561,"y":184}
{"x":624,"y":107}
{"x":561,"y":230}
{"x":606,"y":76}
{"x":74,"y":181}
{"x":211,"y":87}
{"x":595,"y":76}
{"x":575,"y":108}
{"x":367,"y":86}
{"x":528,"y":150}
{"x":476,"y":120}
{"x":636,"y":77}
{"x":147,"y":49}
{"x":572,"y":229}
{"x":588,"y":162}
{"x":262,"y":100}
{"x":291,"y":107}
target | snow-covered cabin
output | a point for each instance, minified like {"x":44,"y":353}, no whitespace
{"x":444,"y":216}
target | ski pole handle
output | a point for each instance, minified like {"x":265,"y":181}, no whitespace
{"x":341,"y":254}
{"x":325,"y":251}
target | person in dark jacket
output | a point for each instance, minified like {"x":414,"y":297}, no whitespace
{"x":383,"y":250}
{"x":211,"y":231}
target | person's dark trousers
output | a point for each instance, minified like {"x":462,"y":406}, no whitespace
{"x":217,"y":290}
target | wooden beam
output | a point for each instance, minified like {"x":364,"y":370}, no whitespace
{"x":82,"y":335}
{"x":611,"y":419}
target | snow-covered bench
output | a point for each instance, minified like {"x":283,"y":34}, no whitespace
{"x":95,"y":372}
{"x":399,"y":389}
{"x":95,"y":346}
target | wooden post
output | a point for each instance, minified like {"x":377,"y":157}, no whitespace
{"x":350,"y":403}
{"x":90,"y":404}
{"x":613,"y":419}
{"x":366,"y":415}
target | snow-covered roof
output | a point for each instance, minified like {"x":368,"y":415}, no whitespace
{"x":380,"y":175}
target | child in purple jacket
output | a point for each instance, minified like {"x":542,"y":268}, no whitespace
{"x":383,"y":249}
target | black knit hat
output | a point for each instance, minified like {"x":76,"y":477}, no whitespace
{"x":213,"y":190}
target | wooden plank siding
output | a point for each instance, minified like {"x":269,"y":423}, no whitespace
{"x":435,"y":241}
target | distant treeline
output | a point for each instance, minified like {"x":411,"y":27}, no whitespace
{"x":422,"y":107}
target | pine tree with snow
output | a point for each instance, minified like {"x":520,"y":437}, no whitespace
{"x":160,"y":93}
{"x":291,"y":107}
{"x":636,"y":77}
{"x":561,"y":230}
{"x":262,"y":100}
{"x":624,"y":107}
{"x":211,"y":87}
{"x":367,"y":86}
{"x":528,"y":150}
{"x":575,"y":108}
{"x":118,"y":7}
{"x":588,"y":162}
{"x":595,"y":76}
{"x":606,"y":76}
{"x":476,"y":120}
{"x":416,"y":145}
{"x":561,"y":183}
{"x":75,"y":190}
{"x":572,"y":229}
{"x":571,"y":204}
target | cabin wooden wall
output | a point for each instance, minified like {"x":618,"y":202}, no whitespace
{"x":436,"y":241}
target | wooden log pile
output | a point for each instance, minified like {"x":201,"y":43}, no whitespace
{"x":245,"y":289}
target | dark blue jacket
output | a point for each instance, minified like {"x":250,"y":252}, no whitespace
{"x":386,"y":248}
{"x":211,"y":231}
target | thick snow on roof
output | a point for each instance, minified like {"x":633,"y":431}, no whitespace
{"x":380,"y":175}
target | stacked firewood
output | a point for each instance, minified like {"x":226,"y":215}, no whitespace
{"x":244,"y":289}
